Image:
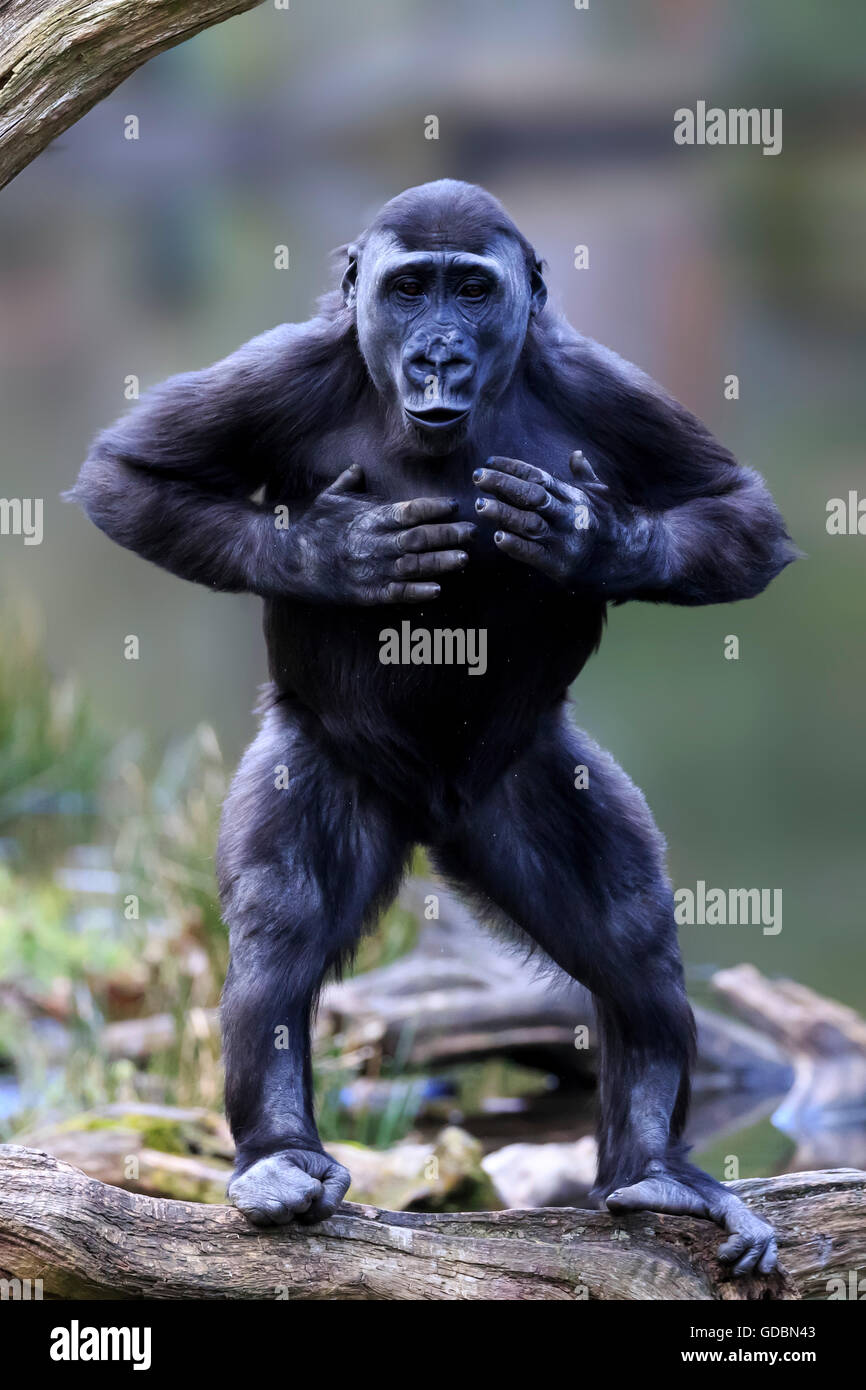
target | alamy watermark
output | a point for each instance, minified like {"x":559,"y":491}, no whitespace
{"x":729,"y":907}
{"x":22,"y":516}
{"x":739,"y":125}
{"x":20,"y":1290}
{"x":77,"y":1343}
{"x":439,"y":646}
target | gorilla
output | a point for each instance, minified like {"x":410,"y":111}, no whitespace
{"x":438,"y":447}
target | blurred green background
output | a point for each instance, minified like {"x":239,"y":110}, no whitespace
{"x":154,"y":256}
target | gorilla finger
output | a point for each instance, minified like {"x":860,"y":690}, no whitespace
{"x":518,"y":469}
{"x":770,"y":1257}
{"x":508,"y":489}
{"x":528,"y":551}
{"x":442,"y":537}
{"x":396,"y":592}
{"x":594,"y":486}
{"x":272,"y":1191}
{"x":733,"y":1249}
{"x":750,"y":1259}
{"x":350,"y":480}
{"x":405,"y":514}
{"x":528,"y":524}
{"x":431,"y":562}
{"x":335,"y":1185}
{"x":264,"y":1213}
{"x":581,"y":468}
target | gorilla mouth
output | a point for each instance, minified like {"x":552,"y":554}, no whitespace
{"x":438,"y":418}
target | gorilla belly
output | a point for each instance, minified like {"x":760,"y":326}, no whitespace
{"x":435,"y":706}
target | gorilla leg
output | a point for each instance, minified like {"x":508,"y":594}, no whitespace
{"x":581,"y":872}
{"x":301,"y":870}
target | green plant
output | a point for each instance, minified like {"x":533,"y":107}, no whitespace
{"x":52,"y":755}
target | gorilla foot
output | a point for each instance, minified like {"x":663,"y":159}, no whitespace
{"x":291,"y":1185}
{"x":751,"y":1243}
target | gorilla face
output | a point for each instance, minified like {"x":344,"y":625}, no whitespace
{"x":441,"y":329}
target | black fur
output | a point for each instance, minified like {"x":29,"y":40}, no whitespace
{"x":480,"y":769}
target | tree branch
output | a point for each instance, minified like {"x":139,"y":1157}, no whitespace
{"x":85,"y":1240}
{"x":60,"y":57}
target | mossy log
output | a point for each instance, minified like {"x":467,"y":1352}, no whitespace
{"x":86,"y":1240}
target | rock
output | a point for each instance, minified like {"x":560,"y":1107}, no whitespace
{"x":446,"y":1175}
{"x":543,"y":1175}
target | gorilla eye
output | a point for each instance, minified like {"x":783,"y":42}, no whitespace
{"x":409,"y":287}
{"x":474,"y":290}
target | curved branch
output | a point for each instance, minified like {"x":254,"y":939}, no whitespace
{"x":86,"y":1240}
{"x":60,"y":57}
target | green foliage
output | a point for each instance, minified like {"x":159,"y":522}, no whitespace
{"x":52,"y":756}
{"x":41,"y":943}
{"x":377,"y":1128}
{"x":166,"y":842}
{"x":164,"y":855}
{"x":56,"y":963}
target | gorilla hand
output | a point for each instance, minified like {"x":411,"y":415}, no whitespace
{"x":350,"y":548}
{"x":571,"y":533}
{"x":290,"y":1185}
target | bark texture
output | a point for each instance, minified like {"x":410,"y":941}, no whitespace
{"x":86,"y":1240}
{"x":60,"y":57}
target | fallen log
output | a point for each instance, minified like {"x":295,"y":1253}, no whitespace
{"x":458,"y":996}
{"x":86,"y":1240}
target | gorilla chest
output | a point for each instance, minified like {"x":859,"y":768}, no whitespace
{"x":397,"y":475}
{"x":500,"y":636}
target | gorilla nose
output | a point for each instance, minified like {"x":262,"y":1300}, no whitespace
{"x":440,"y":358}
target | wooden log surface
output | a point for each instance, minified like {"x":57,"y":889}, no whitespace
{"x":86,"y":1240}
{"x":60,"y":57}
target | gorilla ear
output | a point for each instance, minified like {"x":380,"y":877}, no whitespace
{"x":537,"y":289}
{"x":350,"y":278}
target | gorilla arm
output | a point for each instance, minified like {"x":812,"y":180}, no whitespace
{"x":173,"y":481}
{"x":670,"y":517}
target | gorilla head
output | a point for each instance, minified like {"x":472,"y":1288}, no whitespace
{"x":443,"y":285}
